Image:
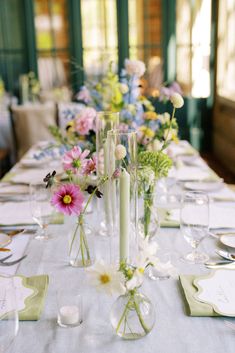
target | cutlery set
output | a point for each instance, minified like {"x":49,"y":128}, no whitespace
{"x":228,"y":260}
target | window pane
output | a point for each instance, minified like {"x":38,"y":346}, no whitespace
{"x":99,"y":35}
{"x":226,"y":50}
{"x":51,"y":22}
{"x":193,"y":32}
{"x":145,"y":38}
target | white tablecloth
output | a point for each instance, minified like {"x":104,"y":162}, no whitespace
{"x":174,"y":331}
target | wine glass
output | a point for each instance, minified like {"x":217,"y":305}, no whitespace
{"x":9,"y":322}
{"x":194,"y":223}
{"x":41,"y":209}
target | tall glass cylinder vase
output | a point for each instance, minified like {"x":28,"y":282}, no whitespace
{"x":105,"y":121}
{"x":122,"y":188}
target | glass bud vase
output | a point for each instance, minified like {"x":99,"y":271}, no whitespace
{"x":148,"y":221}
{"x":79,"y":248}
{"x":132,"y":315}
{"x":105,"y":121}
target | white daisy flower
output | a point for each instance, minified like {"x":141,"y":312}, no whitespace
{"x":107,"y":278}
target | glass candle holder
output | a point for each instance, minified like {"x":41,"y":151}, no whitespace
{"x":70,"y":311}
{"x":122,"y":189}
{"x":105,"y":121}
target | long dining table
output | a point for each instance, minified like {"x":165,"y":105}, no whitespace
{"x":174,"y":330}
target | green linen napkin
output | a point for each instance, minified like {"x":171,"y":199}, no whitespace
{"x":34,"y":304}
{"x":165,"y":220}
{"x":194,"y":307}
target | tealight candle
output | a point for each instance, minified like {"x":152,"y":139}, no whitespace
{"x":69,"y":309}
{"x":69,"y":315}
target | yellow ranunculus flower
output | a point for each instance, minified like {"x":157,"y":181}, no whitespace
{"x":147,"y":131}
{"x":150,"y":116}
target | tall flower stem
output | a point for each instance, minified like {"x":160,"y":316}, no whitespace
{"x":168,"y":131}
{"x":148,"y":203}
{"x":83,"y":245}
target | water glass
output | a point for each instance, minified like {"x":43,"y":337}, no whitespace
{"x":41,"y":209}
{"x":194,"y":223}
{"x":9,"y":322}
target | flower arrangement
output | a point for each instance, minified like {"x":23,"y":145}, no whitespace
{"x":136,"y":111}
{"x":125,"y":280}
{"x":80,"y":129}
{"x":69,"y":197}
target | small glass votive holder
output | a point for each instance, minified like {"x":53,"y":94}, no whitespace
{"x":70,"y":311}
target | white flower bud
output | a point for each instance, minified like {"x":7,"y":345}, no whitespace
{"x":177,"y":100}
{"x":120,"y":152}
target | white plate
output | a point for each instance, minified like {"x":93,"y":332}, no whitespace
{"x":33,"y":163}
{"x":4,"y":240}
{"x":218,"y":290}
{"x":203,"y":186}
{"x":228,"y":240}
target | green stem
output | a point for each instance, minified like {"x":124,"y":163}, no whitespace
{"x":123,"y":315}
{"x":137,"y":309}
{"x":148,"y":203}
{"x":172,"y":117}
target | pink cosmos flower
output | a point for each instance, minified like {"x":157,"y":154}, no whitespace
{"x":75,"y":159}
{"x":90,"y":166}
{"x":85,"y":121}
{"x":68,"y":199}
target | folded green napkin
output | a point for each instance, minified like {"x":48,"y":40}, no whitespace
{"x":194,"y":307}
{"x":35,"y":303}
{"x":167,"y":223}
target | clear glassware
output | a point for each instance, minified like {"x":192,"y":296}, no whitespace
{"x":194,"y":223}
{"x":41,"y":209}
{"x":148,"y":220}
{"x":9,"y":322}
{"x":132,"y":315}
{"x":105,"y":121}
{"x":70,"y":310}
{"x":79,"y":243}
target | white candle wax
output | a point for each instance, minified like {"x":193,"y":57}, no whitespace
{"x":124,"y":217}
{"x":69,"y":315}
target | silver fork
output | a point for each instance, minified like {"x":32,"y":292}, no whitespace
{"x":11,"y":263}
{"x":230,"y":324}
{"x":5,"y":258}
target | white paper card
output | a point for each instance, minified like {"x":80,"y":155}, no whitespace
{"x":218,"y":290}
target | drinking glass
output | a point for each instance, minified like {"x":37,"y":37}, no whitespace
{"x":41,"y":209}
{"x":9,"y":322}
{"x":194,"y":223}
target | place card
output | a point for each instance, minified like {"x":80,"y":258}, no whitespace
{"x":218,"y":290}
{"x":19,"y":293}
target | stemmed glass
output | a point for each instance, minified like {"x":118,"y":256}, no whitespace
{"x":194,"y":223}
{"x":9,"y":322}
{"x":41,"y":209}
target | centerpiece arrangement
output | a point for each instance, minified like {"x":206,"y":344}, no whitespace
{"x":128,"y":157}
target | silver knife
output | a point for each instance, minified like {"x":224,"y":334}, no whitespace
{"x":221,"y":264}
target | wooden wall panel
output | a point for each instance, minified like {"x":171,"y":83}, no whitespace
{"x":224,"y":133}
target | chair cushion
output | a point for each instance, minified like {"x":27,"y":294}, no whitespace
{"x":31,"y":123}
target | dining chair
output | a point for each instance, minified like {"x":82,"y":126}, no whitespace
{"x":30,"y":125}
